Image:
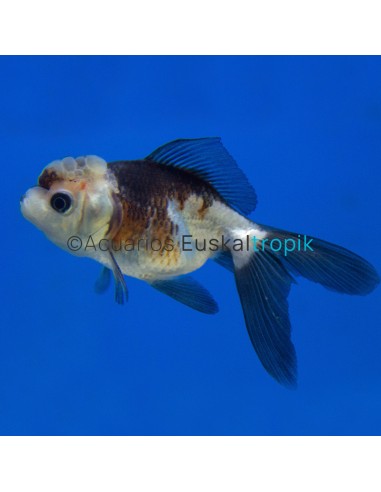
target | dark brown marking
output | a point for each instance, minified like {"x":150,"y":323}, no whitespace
{"x":47,"y":178}
{"x":148,"y":184}
{"x":144,"y":189}
{"x":207,"y":201}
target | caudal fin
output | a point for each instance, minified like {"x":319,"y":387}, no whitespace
{"x":264,"y":278}
{"x":263,"y":285}
{"x":332,"y":266}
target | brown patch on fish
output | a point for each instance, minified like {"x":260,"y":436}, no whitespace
{"x":134,"y":223}
{"x":47,"y":178}
{"x":207,"y":201}
{"x":151,"y":225}
{"x":145,"y":189}
{"x":147,"y":184}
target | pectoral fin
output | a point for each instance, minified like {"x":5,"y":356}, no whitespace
{"x":103,"y":281}
{"x":120,"y":285}
{"x":187,"y":291}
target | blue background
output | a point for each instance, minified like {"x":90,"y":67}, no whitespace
{"x":306,"y":131}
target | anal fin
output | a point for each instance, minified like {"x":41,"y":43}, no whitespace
{"x":225,"y":259}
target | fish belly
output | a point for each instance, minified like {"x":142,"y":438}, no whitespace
{"x":200,"y":235}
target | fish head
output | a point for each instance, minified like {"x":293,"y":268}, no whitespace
{"x":74,"y":198}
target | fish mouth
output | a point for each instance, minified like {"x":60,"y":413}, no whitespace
{"x":22,"y":197}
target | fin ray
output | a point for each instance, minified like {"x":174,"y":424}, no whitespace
{"x":103,"y":281}
{"x":225,"y":259}
{"x":263,"y":286}
{"x":121,"y":291}
{"x":188,"y":291}
{"x":335,"y":268}
{"x":208,"y":159}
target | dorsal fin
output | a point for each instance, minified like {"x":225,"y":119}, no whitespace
{"x":208,"y":159}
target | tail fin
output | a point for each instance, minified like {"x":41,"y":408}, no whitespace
{"x":263,"y":285}
{"x":332,"y":266}
{"x":264,"y":279}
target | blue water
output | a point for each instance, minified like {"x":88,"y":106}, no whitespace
{"x":307,"y":133}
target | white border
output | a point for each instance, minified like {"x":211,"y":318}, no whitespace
{"x":197,"y":27}
{"x":189,"y":464}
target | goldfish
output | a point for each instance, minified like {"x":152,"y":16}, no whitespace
{"x":161,"y":217}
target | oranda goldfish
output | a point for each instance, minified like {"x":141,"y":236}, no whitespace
{"x":161,"y":217}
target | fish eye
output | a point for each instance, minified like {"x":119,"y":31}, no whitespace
{"x":61,"y":202}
